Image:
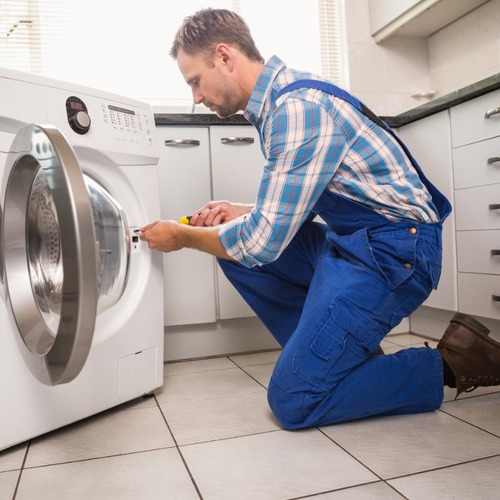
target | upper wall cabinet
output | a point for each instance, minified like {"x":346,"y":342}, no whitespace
{"x":419,"y":18}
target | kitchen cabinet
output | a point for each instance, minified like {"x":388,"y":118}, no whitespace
{"x":237,"y":163}
{"x":417,"y":18}
{"x":429,"y":141}
{"x":198,"y":164}
{"x":460,"y":151}
{"x":185,"y":185}
{"x":476,"y":158}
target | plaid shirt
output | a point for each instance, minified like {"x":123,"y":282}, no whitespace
{"x":314,"y":141}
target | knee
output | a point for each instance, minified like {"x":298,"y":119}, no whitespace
{"x":287,"y":408}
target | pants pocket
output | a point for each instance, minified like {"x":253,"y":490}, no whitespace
{"x":341,"y":342}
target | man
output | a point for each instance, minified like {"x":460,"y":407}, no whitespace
{"x":329,"y":292}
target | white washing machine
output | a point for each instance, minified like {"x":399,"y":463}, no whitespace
{"x":81,"y":298}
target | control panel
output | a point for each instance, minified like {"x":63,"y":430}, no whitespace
{"x":127,"y":124}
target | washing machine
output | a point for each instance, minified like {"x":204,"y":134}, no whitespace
{"x":81,"y":298}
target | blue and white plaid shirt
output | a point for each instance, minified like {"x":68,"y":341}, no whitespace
{"x":314,"y":141}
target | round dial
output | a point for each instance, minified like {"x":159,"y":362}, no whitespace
{"x":78,"y":116}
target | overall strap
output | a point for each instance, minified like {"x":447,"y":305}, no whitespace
{"x":332,"y":89}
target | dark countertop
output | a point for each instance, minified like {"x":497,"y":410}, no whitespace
{"x":435,"y":106}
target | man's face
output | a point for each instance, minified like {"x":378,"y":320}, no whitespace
{"x":210,"y":82}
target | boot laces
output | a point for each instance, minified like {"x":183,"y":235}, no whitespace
{"x":480,"y":381}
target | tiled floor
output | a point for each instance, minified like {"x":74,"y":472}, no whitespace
{"x":208,"y":433}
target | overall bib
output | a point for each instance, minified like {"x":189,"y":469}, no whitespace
{"x":333,"y":295}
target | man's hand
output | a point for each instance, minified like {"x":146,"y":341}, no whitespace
{"x":162,"y":235}
{"x":215,"y":213}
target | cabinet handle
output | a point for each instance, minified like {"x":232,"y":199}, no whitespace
{"x":493,"y":159}
{"x":237,"y":140}
{"x":182,"y":142}
{"x":496,"y":298}
{"x":491,"y":112}
{"x":495,"y":252}
{"x":494,"y":206}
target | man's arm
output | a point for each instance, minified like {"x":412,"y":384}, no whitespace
{"x":169,"y":236}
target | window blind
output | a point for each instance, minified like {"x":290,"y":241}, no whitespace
{"x":122,"y":45}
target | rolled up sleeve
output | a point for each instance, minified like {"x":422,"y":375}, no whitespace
{"x":300,"y":163}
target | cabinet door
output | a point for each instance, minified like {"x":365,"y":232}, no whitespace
{"x":429,"y":141}
{"x":184,"y":177}
{"x":237,"y":163}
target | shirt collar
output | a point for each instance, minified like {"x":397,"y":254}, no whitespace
{"x":262,"y":90}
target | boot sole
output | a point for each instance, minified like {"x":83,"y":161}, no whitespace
{"x":470,"y":323}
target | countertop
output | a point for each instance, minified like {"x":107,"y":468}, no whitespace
{"x":435,"y":106}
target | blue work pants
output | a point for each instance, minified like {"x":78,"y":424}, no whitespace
{"x":329,"y":300}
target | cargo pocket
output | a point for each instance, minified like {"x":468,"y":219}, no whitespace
{"x":338,"y":345}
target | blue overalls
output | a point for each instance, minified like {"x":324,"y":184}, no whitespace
{"x":333,"y":295}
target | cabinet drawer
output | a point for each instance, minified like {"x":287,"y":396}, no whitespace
{"x":469,"y":123}
{"x":474,"y":249}
{"x":477,"y":164}
{"x":475,"y":294}
{"x":474,"y":208}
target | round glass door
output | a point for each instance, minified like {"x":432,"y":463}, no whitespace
{"x":65,"y":245}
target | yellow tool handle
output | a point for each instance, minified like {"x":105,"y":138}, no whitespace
{"x":185,"y":219}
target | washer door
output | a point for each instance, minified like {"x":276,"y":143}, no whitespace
{"x":50,"y":253}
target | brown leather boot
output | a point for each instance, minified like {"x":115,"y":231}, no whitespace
{"x":472,"y":356}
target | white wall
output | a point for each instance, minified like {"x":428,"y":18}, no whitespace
{"x":466,"y":51}
{"x":386,"y":75}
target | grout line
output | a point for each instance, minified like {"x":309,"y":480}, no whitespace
{"x":458,"y":464}
{"x":346,"y":489}
{"x":188,"y":470}
{"x":21,"y":471}
{"x":230,"y":438}
{"x":467,"y":422}
{"x":102,"y":457}
{"x":349,"y":453}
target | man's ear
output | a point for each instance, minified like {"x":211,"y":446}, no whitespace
{"x":224,"y":53}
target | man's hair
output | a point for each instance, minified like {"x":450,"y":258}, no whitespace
{"x":202,"y":31}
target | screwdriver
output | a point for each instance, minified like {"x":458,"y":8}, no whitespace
{"x":185,"y":219}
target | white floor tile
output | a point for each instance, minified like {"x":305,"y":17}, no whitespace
{"x":112,"y":433}
{"x":8,"y":481}
{"x":154,"y":475}
{"x":235,"y":449}
{"x":463,"y":482}
{"x":205,"y":385}
{"x":12,"y":458}
{"x":219,"y":418}
{"x":259,"y":358}
{"x":261,"y":373}
{"x":197,"y":366}
{"x":399,"y":445}
{"x":272,"y":466}
{"x":406,"y":339}
{"x":483,"y":411}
